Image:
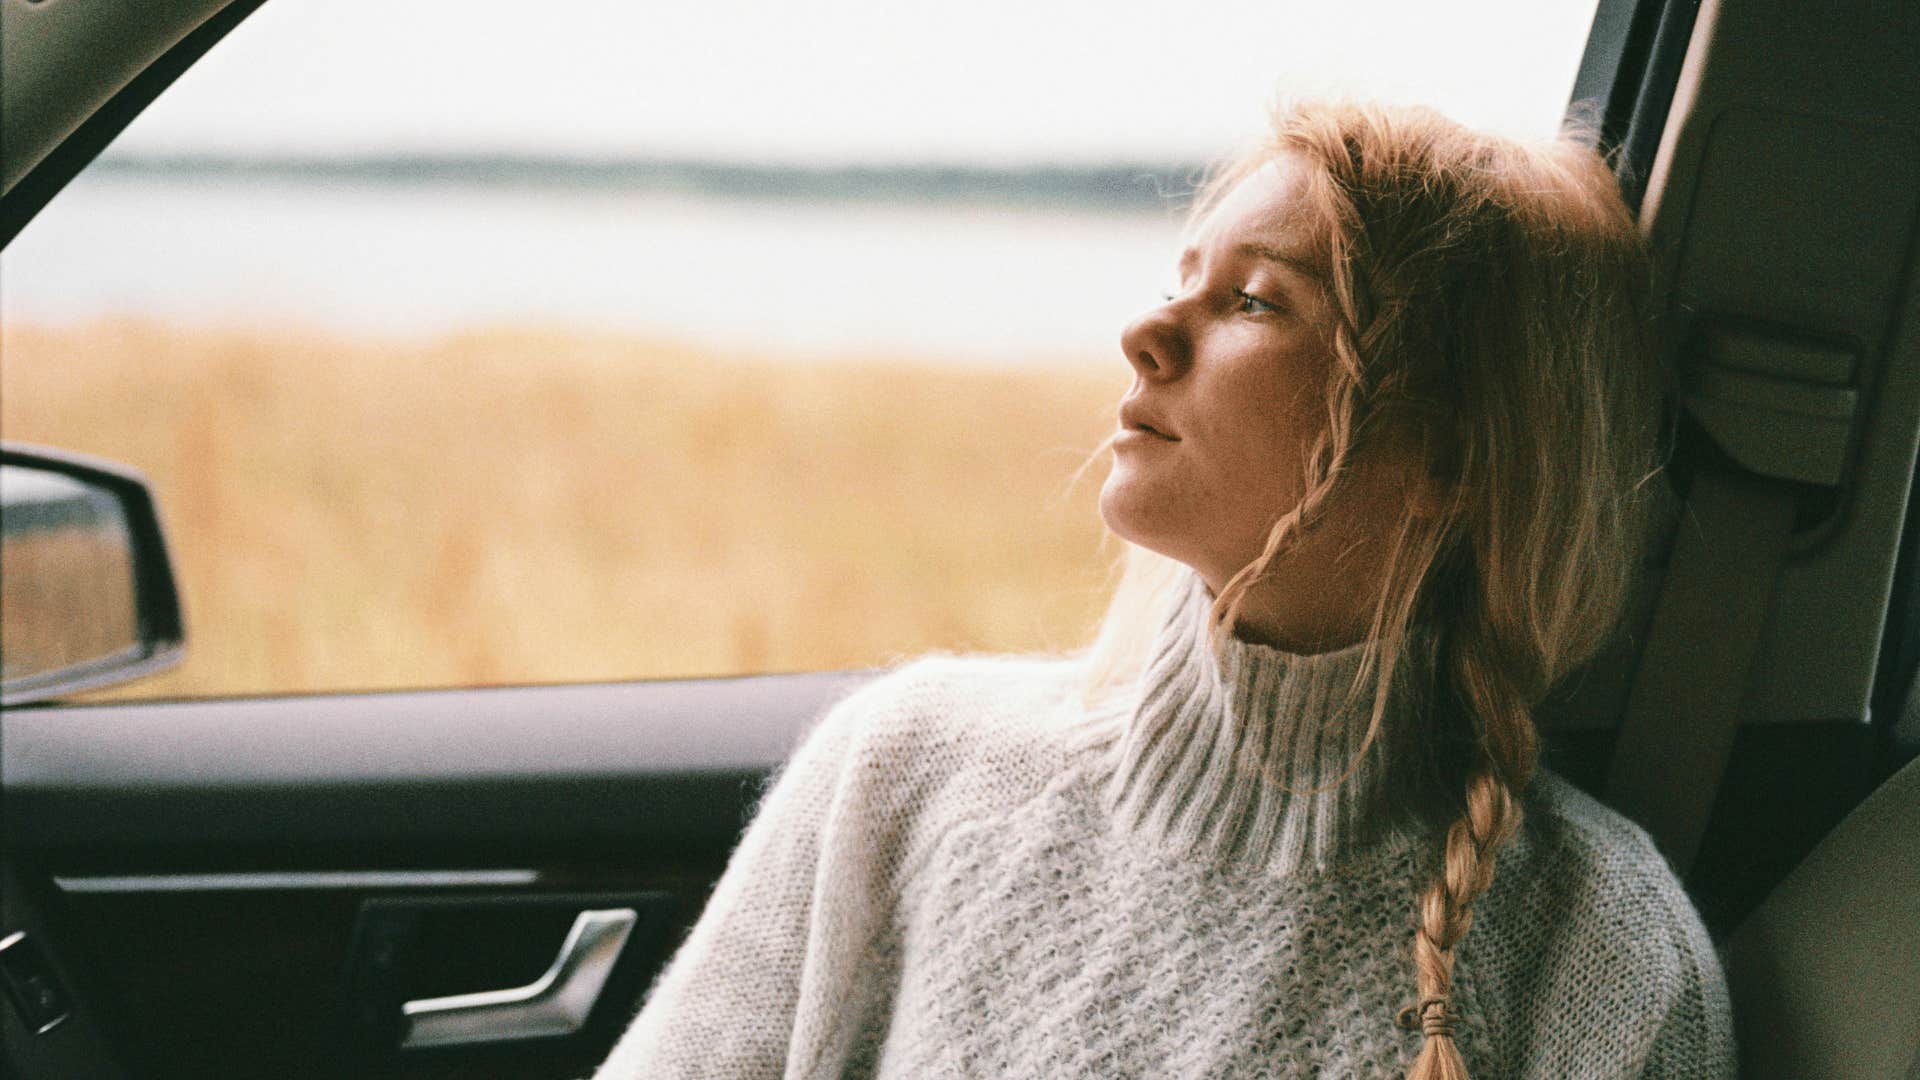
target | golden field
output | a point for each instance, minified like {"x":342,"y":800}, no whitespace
{"x":523,"y":505}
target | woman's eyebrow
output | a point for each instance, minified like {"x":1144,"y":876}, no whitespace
{"x":1300,"y":265}
{"x":1286,"y":260}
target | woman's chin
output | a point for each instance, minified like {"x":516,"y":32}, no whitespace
{"x":1113,"y":505}
{"x":1128,"y":511}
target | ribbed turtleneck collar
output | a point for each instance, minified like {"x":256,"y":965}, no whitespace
{"x":1240,"y":757}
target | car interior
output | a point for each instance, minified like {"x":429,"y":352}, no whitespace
{"x":411,"y":884}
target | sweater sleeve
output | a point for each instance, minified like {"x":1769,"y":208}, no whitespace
{"x":763,"y":984}
{"x":1694,"y":1040}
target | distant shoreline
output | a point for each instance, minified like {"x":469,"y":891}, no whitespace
{"x":1122,"y":185}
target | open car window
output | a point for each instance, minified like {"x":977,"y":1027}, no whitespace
{"x":631,"y":342}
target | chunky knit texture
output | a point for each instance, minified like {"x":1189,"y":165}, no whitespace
{"x":964,"y":872}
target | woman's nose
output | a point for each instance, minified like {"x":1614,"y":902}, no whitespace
{"x":1155,"y":344}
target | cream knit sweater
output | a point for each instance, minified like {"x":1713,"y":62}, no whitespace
{"x":963,"y":872}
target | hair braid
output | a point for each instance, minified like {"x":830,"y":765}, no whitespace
{"x":1505,"y":736}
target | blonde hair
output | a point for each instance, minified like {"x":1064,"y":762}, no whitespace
{"x":1491,"y":296}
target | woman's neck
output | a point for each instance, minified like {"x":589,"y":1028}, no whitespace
{"x":1289,"y":611}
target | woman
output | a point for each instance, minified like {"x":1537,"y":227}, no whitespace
{"x":1385,"y":464}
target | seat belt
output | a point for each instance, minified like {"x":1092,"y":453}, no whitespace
{"x":1690,"y":688}
{"x":1779,"y":405}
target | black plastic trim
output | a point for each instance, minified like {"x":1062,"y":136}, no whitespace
{"x":1897,"y":670}
{"x":1626,"y":81}
{"x":38,"y":187}
{"x":1610,"y":68}
{"x":665,"y":770}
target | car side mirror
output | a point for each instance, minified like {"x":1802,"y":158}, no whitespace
{"x":86,"y":590}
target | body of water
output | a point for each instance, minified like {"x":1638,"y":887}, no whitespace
{"x":978,"y":281}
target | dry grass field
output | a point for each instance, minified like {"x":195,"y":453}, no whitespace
{"x":538,"y":505}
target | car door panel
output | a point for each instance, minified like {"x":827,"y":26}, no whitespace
{"x":214,"y":868}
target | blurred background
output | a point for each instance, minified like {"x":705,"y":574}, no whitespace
{"x":466,"y":344}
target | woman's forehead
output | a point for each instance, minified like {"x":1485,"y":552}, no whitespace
{"x":1266,"y":215}
{"x":1267,"y":209}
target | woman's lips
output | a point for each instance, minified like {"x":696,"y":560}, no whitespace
{"x":1134,"y":419}
{"x":1142,"y":433}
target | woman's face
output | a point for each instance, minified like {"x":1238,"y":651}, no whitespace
{"x":1229,"y":390}
{"x":1228,"y":377}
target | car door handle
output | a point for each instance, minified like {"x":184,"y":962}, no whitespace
{"x":556,"y":1003}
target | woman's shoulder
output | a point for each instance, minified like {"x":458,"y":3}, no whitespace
{"x":1595,"y":931}
{"x":1583,"y":857}
{"x":1576,"y":824}
{"x":968,"y":699}
{"x":1571,"y":829}
{"x":990,"y":725}
{"x":935,"y":686}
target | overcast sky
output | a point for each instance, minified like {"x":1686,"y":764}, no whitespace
{"x":855,"y":80}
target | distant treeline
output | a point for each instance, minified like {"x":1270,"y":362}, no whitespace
{"x":1113,"y":185}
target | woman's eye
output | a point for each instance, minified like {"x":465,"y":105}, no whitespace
{"x":1253,"y":305}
